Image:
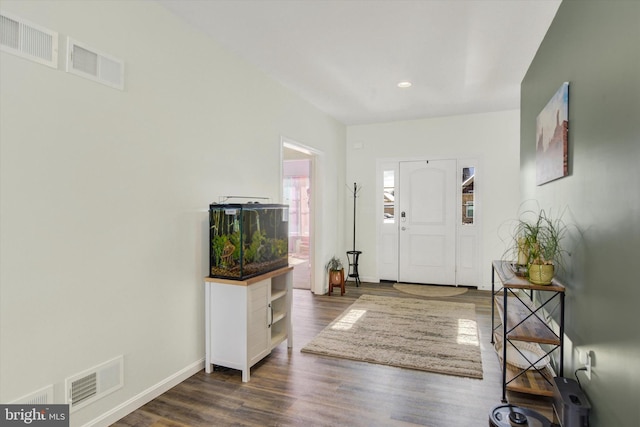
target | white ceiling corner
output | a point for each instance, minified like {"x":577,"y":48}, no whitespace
{"x":347,"y":56}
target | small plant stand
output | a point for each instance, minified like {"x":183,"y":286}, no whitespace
{"x":353,"y":256}
{"x":336,"y":278}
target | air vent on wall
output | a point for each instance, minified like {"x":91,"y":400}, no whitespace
{"x":95,"y":383}
{"x":27,"y":40}
{"x":38,"y":397}
{"x":89,"y":63}
{"x":84,"y":388}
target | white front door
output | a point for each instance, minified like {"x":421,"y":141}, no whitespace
{"x":427,"y":222}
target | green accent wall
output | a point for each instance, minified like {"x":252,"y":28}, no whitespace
{"x":595,"y":45}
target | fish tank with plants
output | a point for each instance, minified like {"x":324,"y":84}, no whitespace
{"x":247,"y":239}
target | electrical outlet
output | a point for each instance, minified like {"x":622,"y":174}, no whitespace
{"x":588,"y":365}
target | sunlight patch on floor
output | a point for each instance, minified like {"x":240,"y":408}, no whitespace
{"x":467,"y":332}
{"x":348,"y":320}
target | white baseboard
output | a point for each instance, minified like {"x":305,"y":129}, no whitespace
{"x":146,"y":396}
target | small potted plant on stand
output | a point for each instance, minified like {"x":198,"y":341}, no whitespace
{"x":538,"y":241}
{"x":336,"y":274}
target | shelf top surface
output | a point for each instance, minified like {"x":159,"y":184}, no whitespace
{"x":251,"y":280}
{"x":506,"y":274}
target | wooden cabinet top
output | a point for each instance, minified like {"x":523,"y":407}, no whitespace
{"x":250,"y":280}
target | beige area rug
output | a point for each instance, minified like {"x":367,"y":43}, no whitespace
{"x":435,"y":336}
{"x":430,"y":290}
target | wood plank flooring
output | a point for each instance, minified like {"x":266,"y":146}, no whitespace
{"x":290,"y":388}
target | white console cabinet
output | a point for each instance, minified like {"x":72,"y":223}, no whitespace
{"x":246,"y":319}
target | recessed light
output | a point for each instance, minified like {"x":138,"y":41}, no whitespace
{"x":404,"y":84}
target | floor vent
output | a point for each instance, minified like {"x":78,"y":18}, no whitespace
{"x":95,"y":383}
{"x":27,"y":40}
{"x":43,"y":396}
{"x":87,"y":62}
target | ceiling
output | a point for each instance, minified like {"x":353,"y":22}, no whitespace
{"x":347,"y":56}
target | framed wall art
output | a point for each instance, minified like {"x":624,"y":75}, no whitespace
{"x":552,"y":139}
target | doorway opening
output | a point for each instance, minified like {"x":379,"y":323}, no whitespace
{"x":297,"y":192}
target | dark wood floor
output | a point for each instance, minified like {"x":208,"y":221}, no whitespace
{"x":290,"y":388}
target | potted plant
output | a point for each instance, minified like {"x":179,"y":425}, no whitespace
{"x":335,"y":270}
{"x":538,"y":237}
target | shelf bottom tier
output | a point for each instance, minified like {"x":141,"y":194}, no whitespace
{"x":530,"y":381}
{"x":278,"y":338}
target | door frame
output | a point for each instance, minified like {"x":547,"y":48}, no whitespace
{"x":313,"y":179}
{"x":385,"y":271}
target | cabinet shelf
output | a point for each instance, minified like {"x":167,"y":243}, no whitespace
{"x":522,"y":319}
{"x":278,"y":317}
{"x":277,"y":339}
{"x":275,"y":295}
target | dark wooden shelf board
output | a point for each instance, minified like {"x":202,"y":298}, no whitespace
{"x":532,"y":329}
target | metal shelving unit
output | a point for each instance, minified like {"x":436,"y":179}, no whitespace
{"x":524,"y":320}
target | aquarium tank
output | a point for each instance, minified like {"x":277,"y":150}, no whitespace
{"x":247,"y":239}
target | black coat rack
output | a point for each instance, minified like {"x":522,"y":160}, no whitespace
{"x":354,"y":255}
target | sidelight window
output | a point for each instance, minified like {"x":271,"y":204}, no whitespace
{"x":468,"y":196}
{"x":389,"y":196}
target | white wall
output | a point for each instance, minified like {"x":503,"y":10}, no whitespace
{"x":492,"y":138}
{"x":104,"y":193}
